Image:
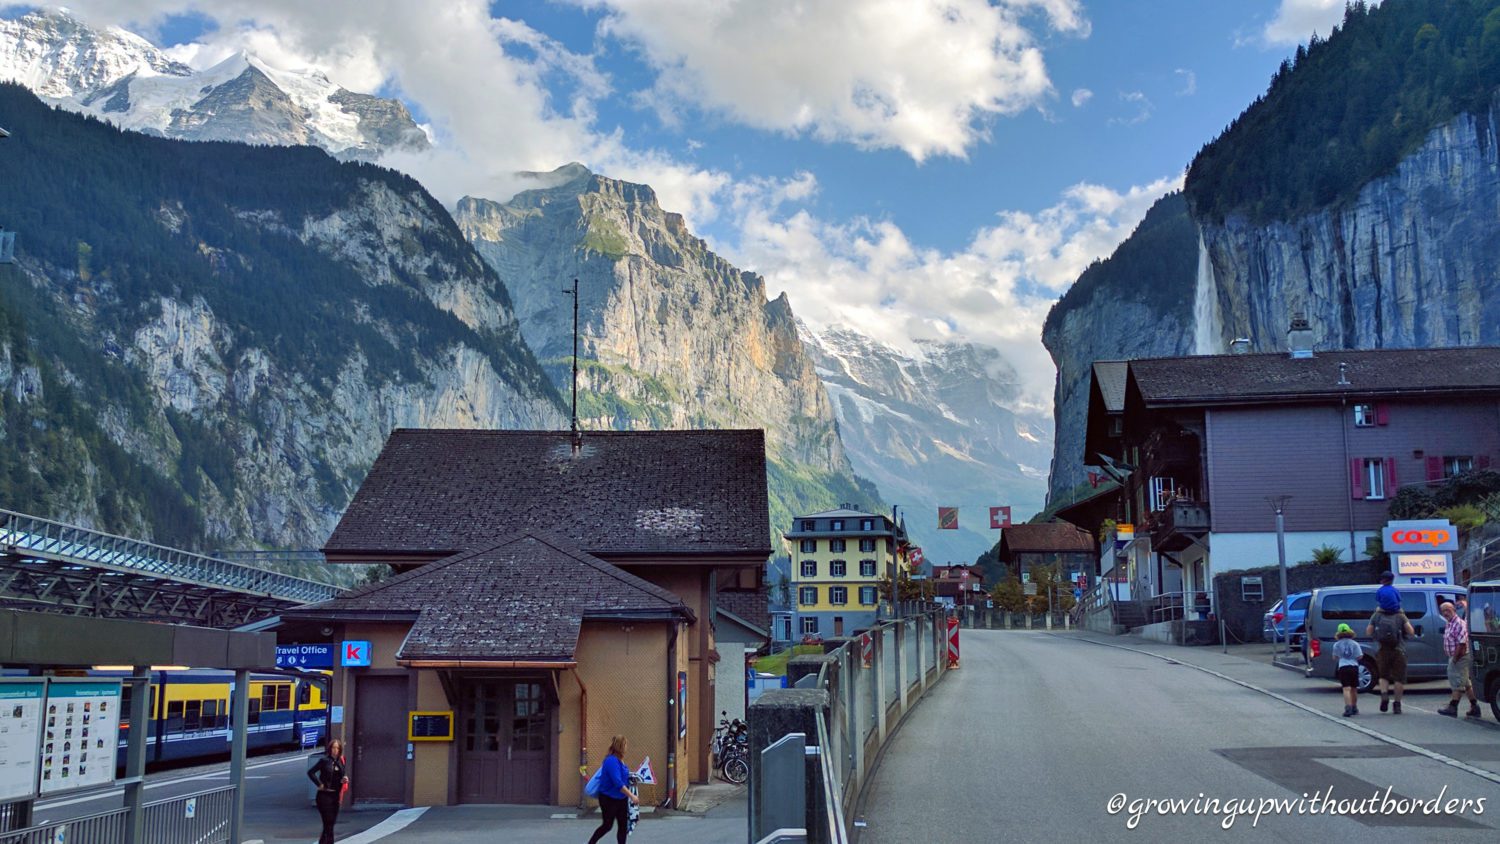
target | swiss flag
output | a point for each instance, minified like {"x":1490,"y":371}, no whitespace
{"x":999,"y":518}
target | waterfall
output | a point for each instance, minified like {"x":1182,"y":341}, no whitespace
{"x":1205,"y":306}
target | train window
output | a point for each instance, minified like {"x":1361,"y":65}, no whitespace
{"x":267,"y":698}
{"x":192,"y":714}
{"x":283,"y":696}
{"x":174,"y":710}
{"x":210,"y":718}
{"x":304,"y":694}
{"x":254,"y":712}
{"x":155,"y":706}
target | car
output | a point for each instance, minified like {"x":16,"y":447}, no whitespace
{"x":1484,"y":640}
{"x":1274,"y":625}
{"x":1353,"y":605}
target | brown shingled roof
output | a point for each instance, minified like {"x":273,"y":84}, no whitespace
{"x":1047,"y":537}
{"x":523,"y":598}
{"x":642,"y":492}
{"x":1217,"y":379}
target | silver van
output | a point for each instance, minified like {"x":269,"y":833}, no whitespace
{"x":1353,"y":605}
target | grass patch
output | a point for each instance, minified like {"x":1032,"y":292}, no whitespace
{"x":776,"y":663}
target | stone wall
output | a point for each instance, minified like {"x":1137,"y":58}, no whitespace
{"x":1243,"y":620}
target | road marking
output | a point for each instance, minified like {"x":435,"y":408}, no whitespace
{"x":116,"y":792}
{"x":1342,"y":722}
{"x":393,"y":824}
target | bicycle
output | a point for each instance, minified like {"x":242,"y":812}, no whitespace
{"x":731,"y":749}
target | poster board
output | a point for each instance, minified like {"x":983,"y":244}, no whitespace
{"x":81,"y":734}
{"x":20,"y":737}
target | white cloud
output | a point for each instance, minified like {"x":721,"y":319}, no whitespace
{"x":1081,"y":96}
{"x":1297,"y":20}
{"x":1189,"y":82}
{"x":1142,"y":109}
{"x":997,"y":290}
{"x":921,"y":76}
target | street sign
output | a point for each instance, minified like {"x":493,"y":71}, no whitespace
{"x":1029,"y":588}
{"x":304,"y":656}
{"x":355,"y":654}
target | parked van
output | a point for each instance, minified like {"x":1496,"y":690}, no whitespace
{"x":1484,"y":640}
{"x":1353,"y":605}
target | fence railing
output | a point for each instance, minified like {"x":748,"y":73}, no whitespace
{"x":201,"y":818}
{"x":47,"y":538}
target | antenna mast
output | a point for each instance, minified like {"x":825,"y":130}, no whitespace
{"x":574,"y":291}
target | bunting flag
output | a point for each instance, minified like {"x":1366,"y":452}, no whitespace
{"x":999,"y":518}
{"x":1094,"y":479}
{"x":914,"y":557}
{"x":643,"y":773}
{"x":947,"y":518}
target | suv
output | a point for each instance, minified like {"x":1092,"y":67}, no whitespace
{"x":1484,"y":640}
{"x":1353,"y":605}
{"x":1276,"y":623}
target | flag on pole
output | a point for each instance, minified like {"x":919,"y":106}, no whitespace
{"x":644,"y":773}
{"x":947,"y":518}
{"x":999,"y":518}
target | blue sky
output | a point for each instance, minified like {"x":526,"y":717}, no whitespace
{"x":918,"y":171}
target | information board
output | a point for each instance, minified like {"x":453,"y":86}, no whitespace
{"x":304,"y":656}
{"x":20,"y":736}
{"x":81,"y":734}
{"x":430,"y":726}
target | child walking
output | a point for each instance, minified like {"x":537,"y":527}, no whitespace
{"x":1348,"y":652}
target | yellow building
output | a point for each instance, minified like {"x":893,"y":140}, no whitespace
{"x":839,"y":558}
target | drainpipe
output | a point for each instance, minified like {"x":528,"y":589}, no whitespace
{"x":583,"y":731}
{"x":672,"y":703}
{"x":1348,"y":499}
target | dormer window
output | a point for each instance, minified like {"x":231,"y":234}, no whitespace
{"x":836,"y":525}
{"x":808,"y":525}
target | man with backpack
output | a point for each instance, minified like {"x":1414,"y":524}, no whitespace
{"x":1389,"y":626}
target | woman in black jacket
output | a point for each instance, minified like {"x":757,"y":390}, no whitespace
{"x":331,"y":778}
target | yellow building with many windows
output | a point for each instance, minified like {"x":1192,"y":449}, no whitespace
{"x":839,"y":558}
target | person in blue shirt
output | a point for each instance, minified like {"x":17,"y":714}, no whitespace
{"x":614,"y":795}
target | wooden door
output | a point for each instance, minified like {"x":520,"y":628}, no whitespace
{"x":505,"y":745}
{"x":377,"y":765}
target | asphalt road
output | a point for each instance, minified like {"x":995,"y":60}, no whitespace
{"x":1035,"y":734}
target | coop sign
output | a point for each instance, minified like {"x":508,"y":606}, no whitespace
{"x":1421,"y":535}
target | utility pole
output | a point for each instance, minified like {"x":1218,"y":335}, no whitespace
{"x":573,"y":426}
{"x":1278,"y":503}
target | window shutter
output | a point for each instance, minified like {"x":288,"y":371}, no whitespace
{"x":1382,"y":414}
{"x":1390,"y":477}
{"x":1356,"y":477}
{"x":1484,"y":461}
{"x":1434,"y":468}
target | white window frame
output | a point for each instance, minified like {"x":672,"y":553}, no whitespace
{"x":802,"y":593}
{"x":1364,"y":416}
{"x":866,"y":524}
{"x":1457,"y":465}
{"x":836,"y":546}
{"x":809,"y":525}
{"x":866,"y":568}
{"x":809,"y":624}
{"x":1375,"y":479}
{"x":812,"y":564}
{"x":867,"y":596}
{"x":838,"y":568}
{"x":836,"y":524}
{"x":867,"y":545}
{"x":1162,"y":490}
{"x":809,"y":546}
{"x":838,"y":595}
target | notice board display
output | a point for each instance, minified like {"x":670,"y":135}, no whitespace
{"x":20,"y":737}
{"x":81,"y":733}
{"x":429,"y":726}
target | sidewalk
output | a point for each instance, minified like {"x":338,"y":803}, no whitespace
{"x":724,"y":823}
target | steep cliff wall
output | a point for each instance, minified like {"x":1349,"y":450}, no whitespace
{"x":672,"y":335}
{"x":206,"y":344}
{"x":1413,"y":260}
{"x":1136,"y":303}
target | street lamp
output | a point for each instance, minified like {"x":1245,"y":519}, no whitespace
{"x":1278,"y":503}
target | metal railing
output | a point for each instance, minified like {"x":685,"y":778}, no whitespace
{"x":69,"y":543}
{"x":1172,"y":606}
{"x":201,"y":818}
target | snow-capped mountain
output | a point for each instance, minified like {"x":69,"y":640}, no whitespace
{"x":938,"y":427}
{"x":120,"y":77}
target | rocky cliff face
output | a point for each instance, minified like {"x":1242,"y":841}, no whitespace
{"x":122,"y":78}
{"x":933,"y":428}
{"x":672,"y":335}
{"x":217,"y":367}
{"x":1138,"y":303}
{"x":1413,"y":260}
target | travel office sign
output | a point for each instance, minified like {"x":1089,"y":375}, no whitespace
{"x":1421,"y":550}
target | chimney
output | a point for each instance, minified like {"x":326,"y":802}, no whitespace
{"x":1239,"y":346}
{"x":1299,"y":338}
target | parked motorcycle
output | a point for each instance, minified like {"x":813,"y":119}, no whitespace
{"x":731,"y":749}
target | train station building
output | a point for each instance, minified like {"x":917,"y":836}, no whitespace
{"x":554,"y":591}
